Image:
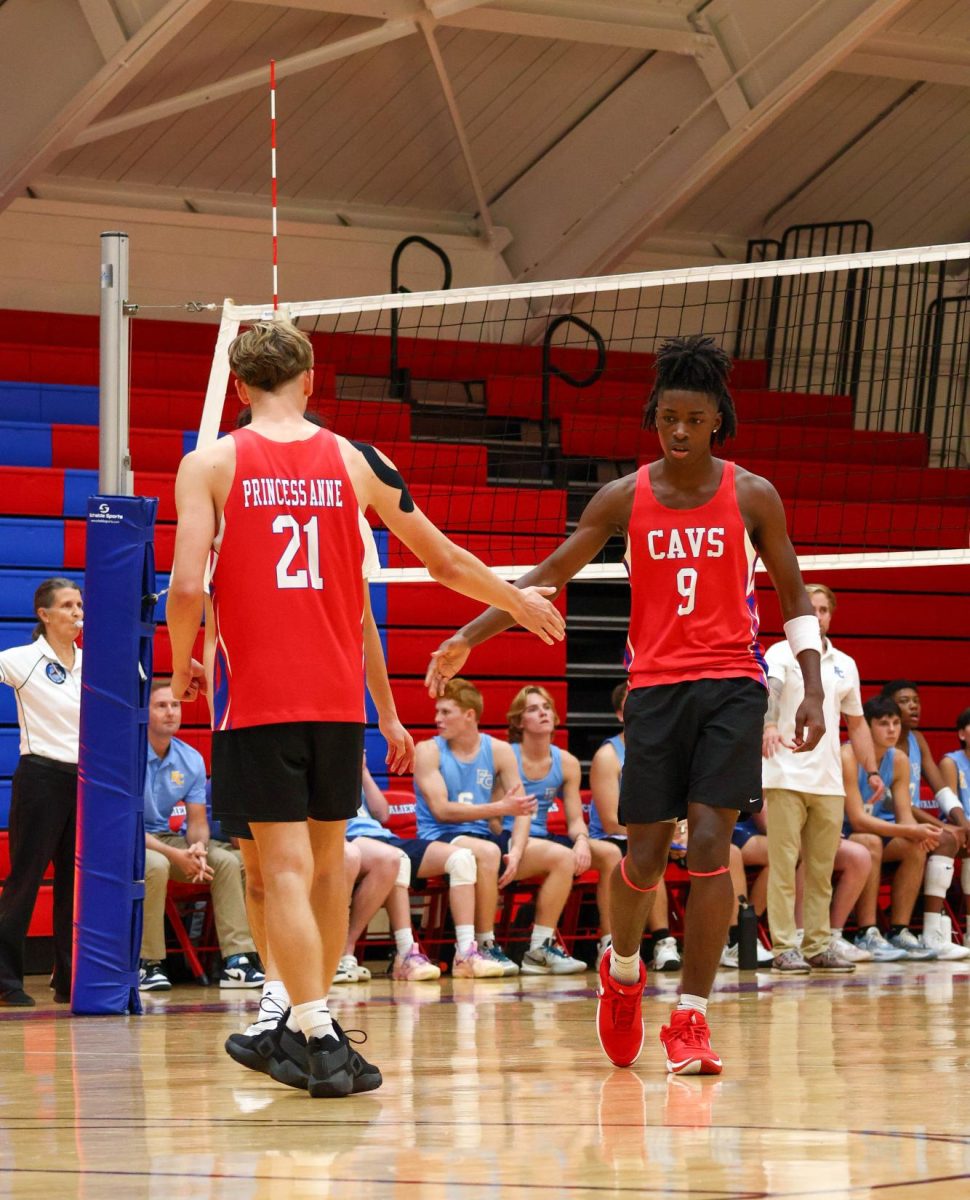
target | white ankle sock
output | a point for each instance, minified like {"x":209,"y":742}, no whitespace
{"x":540,"y":935}
{"x":404,"y":940}
{"x":625,"y":968}
{"x":464,"y":936}
{"x":274,"y":1000}
{"x":314,"y":1018}
{"x":698,"y":1003}
{"x":482,"y":936}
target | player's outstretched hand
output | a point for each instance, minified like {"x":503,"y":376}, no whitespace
{"x":400,"y":746}
{"x":445,"y":664}
{"x":809,"y":724}
{"x":539,"y":615}
{"x":772,"y":741}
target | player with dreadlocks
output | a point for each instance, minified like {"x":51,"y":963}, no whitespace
{"x":694,"y":528}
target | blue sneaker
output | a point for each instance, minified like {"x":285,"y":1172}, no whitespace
{"x":872,"y":941}
{"x":494,"y":953}
{"x":241,"y":971}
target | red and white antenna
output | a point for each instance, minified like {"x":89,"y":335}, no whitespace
{"x":272,"y":136}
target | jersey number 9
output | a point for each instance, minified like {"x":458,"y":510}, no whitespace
{"x":687,"y":586}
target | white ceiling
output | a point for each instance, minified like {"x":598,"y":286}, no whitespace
{"x":572,"y":132}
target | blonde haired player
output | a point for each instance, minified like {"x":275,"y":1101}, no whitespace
{"x":279,"y":503}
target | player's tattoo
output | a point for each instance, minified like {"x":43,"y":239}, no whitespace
{"x":386,"y":474}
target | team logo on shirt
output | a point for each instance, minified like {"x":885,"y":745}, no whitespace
{"x":484,"y":777}
{"x":176,"y":777}
{"x":56,"y":673}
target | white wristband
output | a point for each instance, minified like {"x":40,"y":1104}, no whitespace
{"x":946,"y":799}
{"x":803,"y":633}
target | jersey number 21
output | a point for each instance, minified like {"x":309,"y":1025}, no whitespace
{"x":310,"y":576}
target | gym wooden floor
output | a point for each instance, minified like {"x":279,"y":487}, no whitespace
{"x":851,"y":1087}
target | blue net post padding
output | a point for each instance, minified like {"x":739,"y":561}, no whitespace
{"x":116,"y":683}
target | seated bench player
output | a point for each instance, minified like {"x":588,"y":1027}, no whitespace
{"x":548,"y":773}
{"x":922,"y":766}
{"x":955,"y":770}
{"x":457,"y":776}
{"x":176,"y":775}
{"x":605,"y":774}
{"x":394,"y":862}
{"x":905,"y":840}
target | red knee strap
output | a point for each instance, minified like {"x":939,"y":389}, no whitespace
{"x":708,"y":874}
{"x":630,"y":884}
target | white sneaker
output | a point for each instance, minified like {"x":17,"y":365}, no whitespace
{"x":845,"y":949}
{"x":941,"y":940}
{"x":765,"y":954}
{"x":666,"y":956}
{"x":601,"y":951}
{"x":349,"y":970}
{"x":550,"y":959}
{"x":729,"y":956}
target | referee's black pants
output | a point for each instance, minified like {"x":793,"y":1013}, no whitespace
{"x":43,"y":821}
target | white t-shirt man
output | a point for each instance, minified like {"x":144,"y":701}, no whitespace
{"x":818,"y":772}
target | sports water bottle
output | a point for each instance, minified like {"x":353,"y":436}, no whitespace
{"x":747,"y":936}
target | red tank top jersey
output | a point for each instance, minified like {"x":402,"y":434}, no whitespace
{"x":693,"y":612}
{"x":287,"y":587}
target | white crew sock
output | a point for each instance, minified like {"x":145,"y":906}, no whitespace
{"x":540,"y":935}
{"x":698,"y":1003}
{"x":314,"y":1018}
{"x":464,"y":936}
{"x":625,"y":968}
{"x":483,"y":936}
{"x":404,"y":940}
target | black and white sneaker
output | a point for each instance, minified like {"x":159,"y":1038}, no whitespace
{"x":151,"y":977}
{"x":241,"y":971}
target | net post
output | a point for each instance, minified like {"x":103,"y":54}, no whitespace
{"x":118,"y":639}
{"x":114,"y":458}
{"x":215,"y":393}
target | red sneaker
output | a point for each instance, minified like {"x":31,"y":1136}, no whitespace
{"x":687,"y":1040}
{"x":619,"y":1018}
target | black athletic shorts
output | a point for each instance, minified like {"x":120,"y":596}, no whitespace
{"x":697,"y":741}
{"x":288,"y":772}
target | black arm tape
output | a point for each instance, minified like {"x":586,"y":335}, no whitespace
{"x":386,"y":474}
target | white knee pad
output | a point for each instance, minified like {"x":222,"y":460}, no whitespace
{"x":965,"y":876}
{"x":939,"y":875}
{"x":461,"y":867}
{"x":403,"y":872}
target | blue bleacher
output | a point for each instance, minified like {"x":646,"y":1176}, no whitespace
{"x":53,"y":403}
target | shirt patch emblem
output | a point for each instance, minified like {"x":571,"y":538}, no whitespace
{"x":56,"y":673}
{"x":177,"y":778}
{"x":839,"y":672}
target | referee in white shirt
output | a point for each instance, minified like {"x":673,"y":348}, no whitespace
{"x":805,"y":795}
{"x":46,"y":678}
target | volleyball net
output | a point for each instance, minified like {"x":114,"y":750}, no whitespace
{"x":506,"y":407}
